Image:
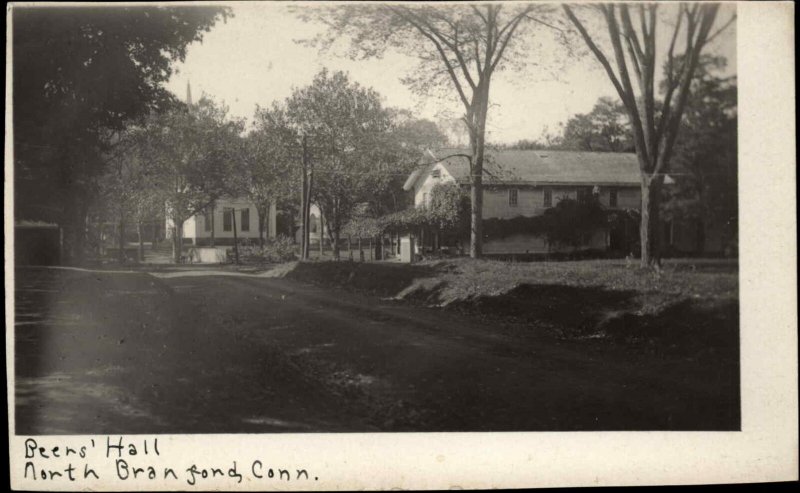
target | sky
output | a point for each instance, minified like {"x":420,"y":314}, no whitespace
{"x":254,"y":59}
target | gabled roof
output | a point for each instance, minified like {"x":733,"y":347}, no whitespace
{"x":527,"y":167}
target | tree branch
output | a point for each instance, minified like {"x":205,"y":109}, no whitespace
{"x":480,"y":14}
{"x":516,"y":21}
{"x":440,"y":50}
{"x":708,"y":15}
{"x":672,"y":81}
{"x":452,"y":45}
{"x":598,"y":54}
{"x":639,"y":131}
{"x":718,"y":31}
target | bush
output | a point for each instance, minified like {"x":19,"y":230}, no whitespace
{"x":448,"y":211}
{"x":280,"y":249}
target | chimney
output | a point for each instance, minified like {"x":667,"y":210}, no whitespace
{"x":188,"y":93}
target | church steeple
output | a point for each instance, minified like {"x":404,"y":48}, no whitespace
{"x":188,"y":93}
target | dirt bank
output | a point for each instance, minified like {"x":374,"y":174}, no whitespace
{"x":689,"y":308}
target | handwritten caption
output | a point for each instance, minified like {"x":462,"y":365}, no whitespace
{"x":137,"y":460}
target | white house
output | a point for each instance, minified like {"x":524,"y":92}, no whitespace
{"x":219,"y":220}
{"x":316,"y":225}
{"x":527,"y":182}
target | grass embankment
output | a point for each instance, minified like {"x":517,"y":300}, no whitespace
{"x":689,"y":306}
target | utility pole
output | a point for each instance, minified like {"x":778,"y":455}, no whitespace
{"x":305,"y":198}
{"x":307,"y":219}
{"x":303,"y":193}
{"x":321,"y":236}
{"x":235,"y":239}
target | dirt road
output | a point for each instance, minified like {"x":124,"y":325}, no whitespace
{"x":133,"y":353}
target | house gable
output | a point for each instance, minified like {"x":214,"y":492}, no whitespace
{"x":427,"y":178}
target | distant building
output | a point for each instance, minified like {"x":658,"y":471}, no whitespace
{"x":37,"y":243}
{"x":316,"y":225}
{"x":216,"y":224}
{"x":527,"y":182}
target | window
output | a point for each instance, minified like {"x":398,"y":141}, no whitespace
{"x":512,"y":197}
{"x":548,"y":197}
{"x":584,"y":193}
{"x":245,"y":219}
{"x":612,"y":197}
{"x":227,"y":219}
{"x":208,"y":219}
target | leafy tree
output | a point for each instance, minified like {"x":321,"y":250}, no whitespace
{"x":79,"y":75}
{"x":460,"y":47}
{"x":345,"y":126}
{"x":572,"y":222}
{"x":195,"y":153}
{"x":654,"y":130}
{"x":270,"y":161}
{"x":406,"y":145}
{"x":602,"y":129}
{"x":449,"y":209}
{"x":527,"y":145}
{"x":127,"y":190}
{"x":705,"y":161}
{"x":579,"y":133}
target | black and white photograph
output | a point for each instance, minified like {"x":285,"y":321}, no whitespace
{"x":289,"y":218}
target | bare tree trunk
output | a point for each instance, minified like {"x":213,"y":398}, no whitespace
{"x":213,"y":234}
{"x":478,"y":141}
{"x":154,"y":241}
{"x":235,"y":239}
{"x":307,"y":221}
{"x":649,"y":228}
{"x":303,"y":216}
{"x":262,"y":218}
{"x":267,"y":226}
{"x":177,"y":240}
{"x":121,"y":238}
{"x":139,"y":231}
{"x":335,"y":249}
{"x":360,"y":250}
{"x":305,"y":203}
{"x":321,"y":236}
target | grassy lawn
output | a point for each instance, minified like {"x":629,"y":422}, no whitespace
{"x":463,"y":279}
{"x":679,"y":280}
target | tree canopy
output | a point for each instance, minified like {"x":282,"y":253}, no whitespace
{"x":605,"y":129}
{"x":195,"y":154}
{"x":346,"y":127}
{"x":80,"y":73}
{"x":704,"y":167}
